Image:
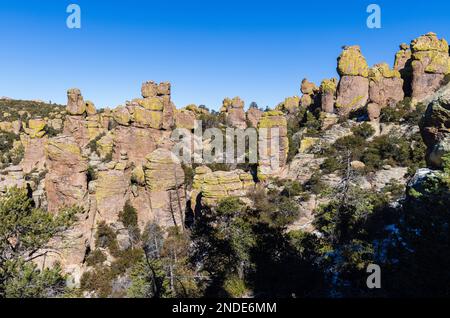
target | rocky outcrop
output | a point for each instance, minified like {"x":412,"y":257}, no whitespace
{"x":211,"y":187}
{"x":291,"y":105}
{"x":403,"y":60}
{"x":253,"y":116}
{"x":272,"y":136}
{"x":353,"y":88}
{"x":309,"y":91}
{"x":435,"y":127}
{"x":82,"y":122}
{"x":328,"y":90}
{"x":66,"y":180}
{"x":386,"y":86}
{"x":185,"y":118}
{"x":164,"y":178}
{"x":234,"y":112}
{"x":430,"y":64}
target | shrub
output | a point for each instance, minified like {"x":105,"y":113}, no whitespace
{"x":364,"y":130}
{"x":128,"y":216}
{"x":95,"y":258}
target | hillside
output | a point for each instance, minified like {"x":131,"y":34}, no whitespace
{"x":94,"y":203}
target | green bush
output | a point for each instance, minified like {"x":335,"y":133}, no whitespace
{"x":96,"y":257}
{"x":128,"y":216}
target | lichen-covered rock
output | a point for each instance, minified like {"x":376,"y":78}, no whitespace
{"x":307,"y":143}
{"x":430,"y":64}
{"x":273,"y":143}
{"x":215,"y":186}
{"x":163,"y":171}
{"x":75,"y":102}
{"x":328,"y":89}
{"x":34,"y":155}
{"x":353,"y":88}
{"x":111,"y":189}
{"x":351,"y":62}
{"x":36,"y":128}
{"x":66,"y":180}
{"x":90,"y":108}
{"x":149,"y":89}
{"x":122,"y":116}
{"x":385,"y":86}
{"x":105,"y":145}
{"x":164,"y":179}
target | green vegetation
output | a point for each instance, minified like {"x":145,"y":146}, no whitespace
{"x":26,"y":231}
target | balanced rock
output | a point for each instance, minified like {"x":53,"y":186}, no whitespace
{"x":353,"y":89}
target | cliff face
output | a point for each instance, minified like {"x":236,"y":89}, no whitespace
{"x":105,"y":160}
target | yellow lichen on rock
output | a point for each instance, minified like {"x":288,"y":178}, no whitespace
{"x":352,"y":62}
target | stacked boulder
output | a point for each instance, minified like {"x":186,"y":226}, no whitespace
{"x":353,"y":88}
{"x":144,"y":124}
{"x":385,"y":89}
{"x":430,"y":65}
{"x":309,"y":91}
{"x":233,"y":109}
{"x":211,"y":187}
{"x":273,"y":143}
{"x":82,"y":121}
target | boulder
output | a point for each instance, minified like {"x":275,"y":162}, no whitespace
{"x":75,"y":102}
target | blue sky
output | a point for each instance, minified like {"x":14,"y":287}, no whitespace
{"x":259,"y":50}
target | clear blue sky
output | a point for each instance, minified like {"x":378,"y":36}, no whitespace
{"x":259,"y":50}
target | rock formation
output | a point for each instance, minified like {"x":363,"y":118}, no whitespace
{"x":328,"y":90}
{"x":82,"y":122}
{"x":272,"y":134}
{"x":430,"y":64}
{"x":210,"y":187}
{"x":435,"y":128}
{"x":234,"y":112}
{"x":353,"y":88}
{"x":385,"y":89}
{"x":66,"y":180}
